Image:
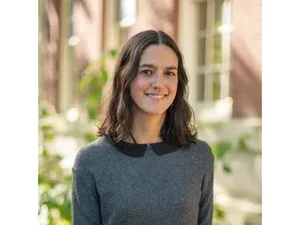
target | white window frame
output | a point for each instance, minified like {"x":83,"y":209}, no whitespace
{"x":210,"y":67}
{"x":207,"y":109}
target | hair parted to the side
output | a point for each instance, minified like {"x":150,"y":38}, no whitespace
{"x":177,"y":128}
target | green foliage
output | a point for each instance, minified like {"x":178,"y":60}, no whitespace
{"x":89,"y":137}
{"x":226,"y":168}
{"x":242,"y":142}
{"x":113,"y":53}
{"x":224,"y":147}
{"x":220,"y":150}
{"x":54,"y":182}
{"x":95,"y":76}
{"x":219,"y":215}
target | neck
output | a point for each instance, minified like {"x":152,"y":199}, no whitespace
{"x":146,"y":129}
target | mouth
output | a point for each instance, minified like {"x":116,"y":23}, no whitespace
{"x":157,"y":97}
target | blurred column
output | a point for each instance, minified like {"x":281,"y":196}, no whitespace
{"x":209,"y":59}
{"x":187,"y":41}
{"x":66,"y":58}
{"x":40,"y":44}
{"x":111,"y":34}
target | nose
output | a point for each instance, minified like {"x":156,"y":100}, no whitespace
{"x":158,"y":81}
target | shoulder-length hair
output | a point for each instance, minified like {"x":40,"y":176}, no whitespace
{"x":177,"y":129}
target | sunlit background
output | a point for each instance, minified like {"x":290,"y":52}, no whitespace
{"x":79,"y":41}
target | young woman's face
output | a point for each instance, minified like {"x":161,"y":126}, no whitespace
{"x":154,"y":88}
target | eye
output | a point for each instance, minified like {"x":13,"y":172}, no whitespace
{"x":147,"y":72}
{"x":169,"y":73}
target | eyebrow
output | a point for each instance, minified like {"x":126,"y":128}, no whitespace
{"x":152,"y":66}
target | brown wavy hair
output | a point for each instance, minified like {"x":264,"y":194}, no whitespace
{"x":177,"y":129}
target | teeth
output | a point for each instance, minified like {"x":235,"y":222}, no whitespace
{"x":156,"y":96}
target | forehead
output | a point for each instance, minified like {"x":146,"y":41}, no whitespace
{"x":159,"y":55}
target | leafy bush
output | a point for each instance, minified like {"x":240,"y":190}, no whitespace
{"x":54,"y":182}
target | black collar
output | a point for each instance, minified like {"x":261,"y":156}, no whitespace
{"x":138,"y":150}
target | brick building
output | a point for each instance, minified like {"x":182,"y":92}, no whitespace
{"x":220,"y":41}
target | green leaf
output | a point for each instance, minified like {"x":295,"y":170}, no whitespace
{"x":219,"y":213}
{"x":85,"y":82}
{"x":242,"y":142}
{"x":44,"y":113}
{"x":92,"y":102}
{"x":44,"y":153}
{"x":103,"y":75}
{"x":221,"y":149}
{"x":113,"y":53}
{"x":90,"y":68}
{"x":226,"y":168}
{"x":92,"y":114}
{"x":89,"y":137}
{"x":96,"y":94}
{"x":47,"y":128}
{"x":48,"y":136}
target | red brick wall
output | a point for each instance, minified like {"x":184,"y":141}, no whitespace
{"x":87,"y":25}
{"x":246,"y":84}
{"x":49,"y":47}
{"x":158,"y":15}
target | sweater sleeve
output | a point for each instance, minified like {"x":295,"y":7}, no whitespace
{"x":85,"y":200}
{"x":206,"y":202}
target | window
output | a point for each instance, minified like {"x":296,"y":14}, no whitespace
{"x":127,"y":17}
{"x":213,"y":44}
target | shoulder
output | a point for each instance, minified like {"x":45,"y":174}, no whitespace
{"x":204,"y":151}
{"x":91,"y":154}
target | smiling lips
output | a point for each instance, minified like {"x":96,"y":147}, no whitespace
{"x":157,"y":97}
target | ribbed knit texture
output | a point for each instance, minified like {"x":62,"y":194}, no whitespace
{"x":111,"y":188}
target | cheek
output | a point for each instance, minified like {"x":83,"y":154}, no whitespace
{"x":173,"y":88}
{"x":139,"y":85}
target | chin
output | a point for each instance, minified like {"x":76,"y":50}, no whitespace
{"x":150,"y":110}
{"x":154,"y":111}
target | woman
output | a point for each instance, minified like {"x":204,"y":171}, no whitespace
{"x":147,"y":167}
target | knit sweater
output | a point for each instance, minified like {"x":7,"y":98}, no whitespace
{"x":158,"y":187}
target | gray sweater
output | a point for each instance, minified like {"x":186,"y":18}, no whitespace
{"x":158,"y":186}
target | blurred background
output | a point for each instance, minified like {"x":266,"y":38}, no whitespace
{"x":79,"y":41}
